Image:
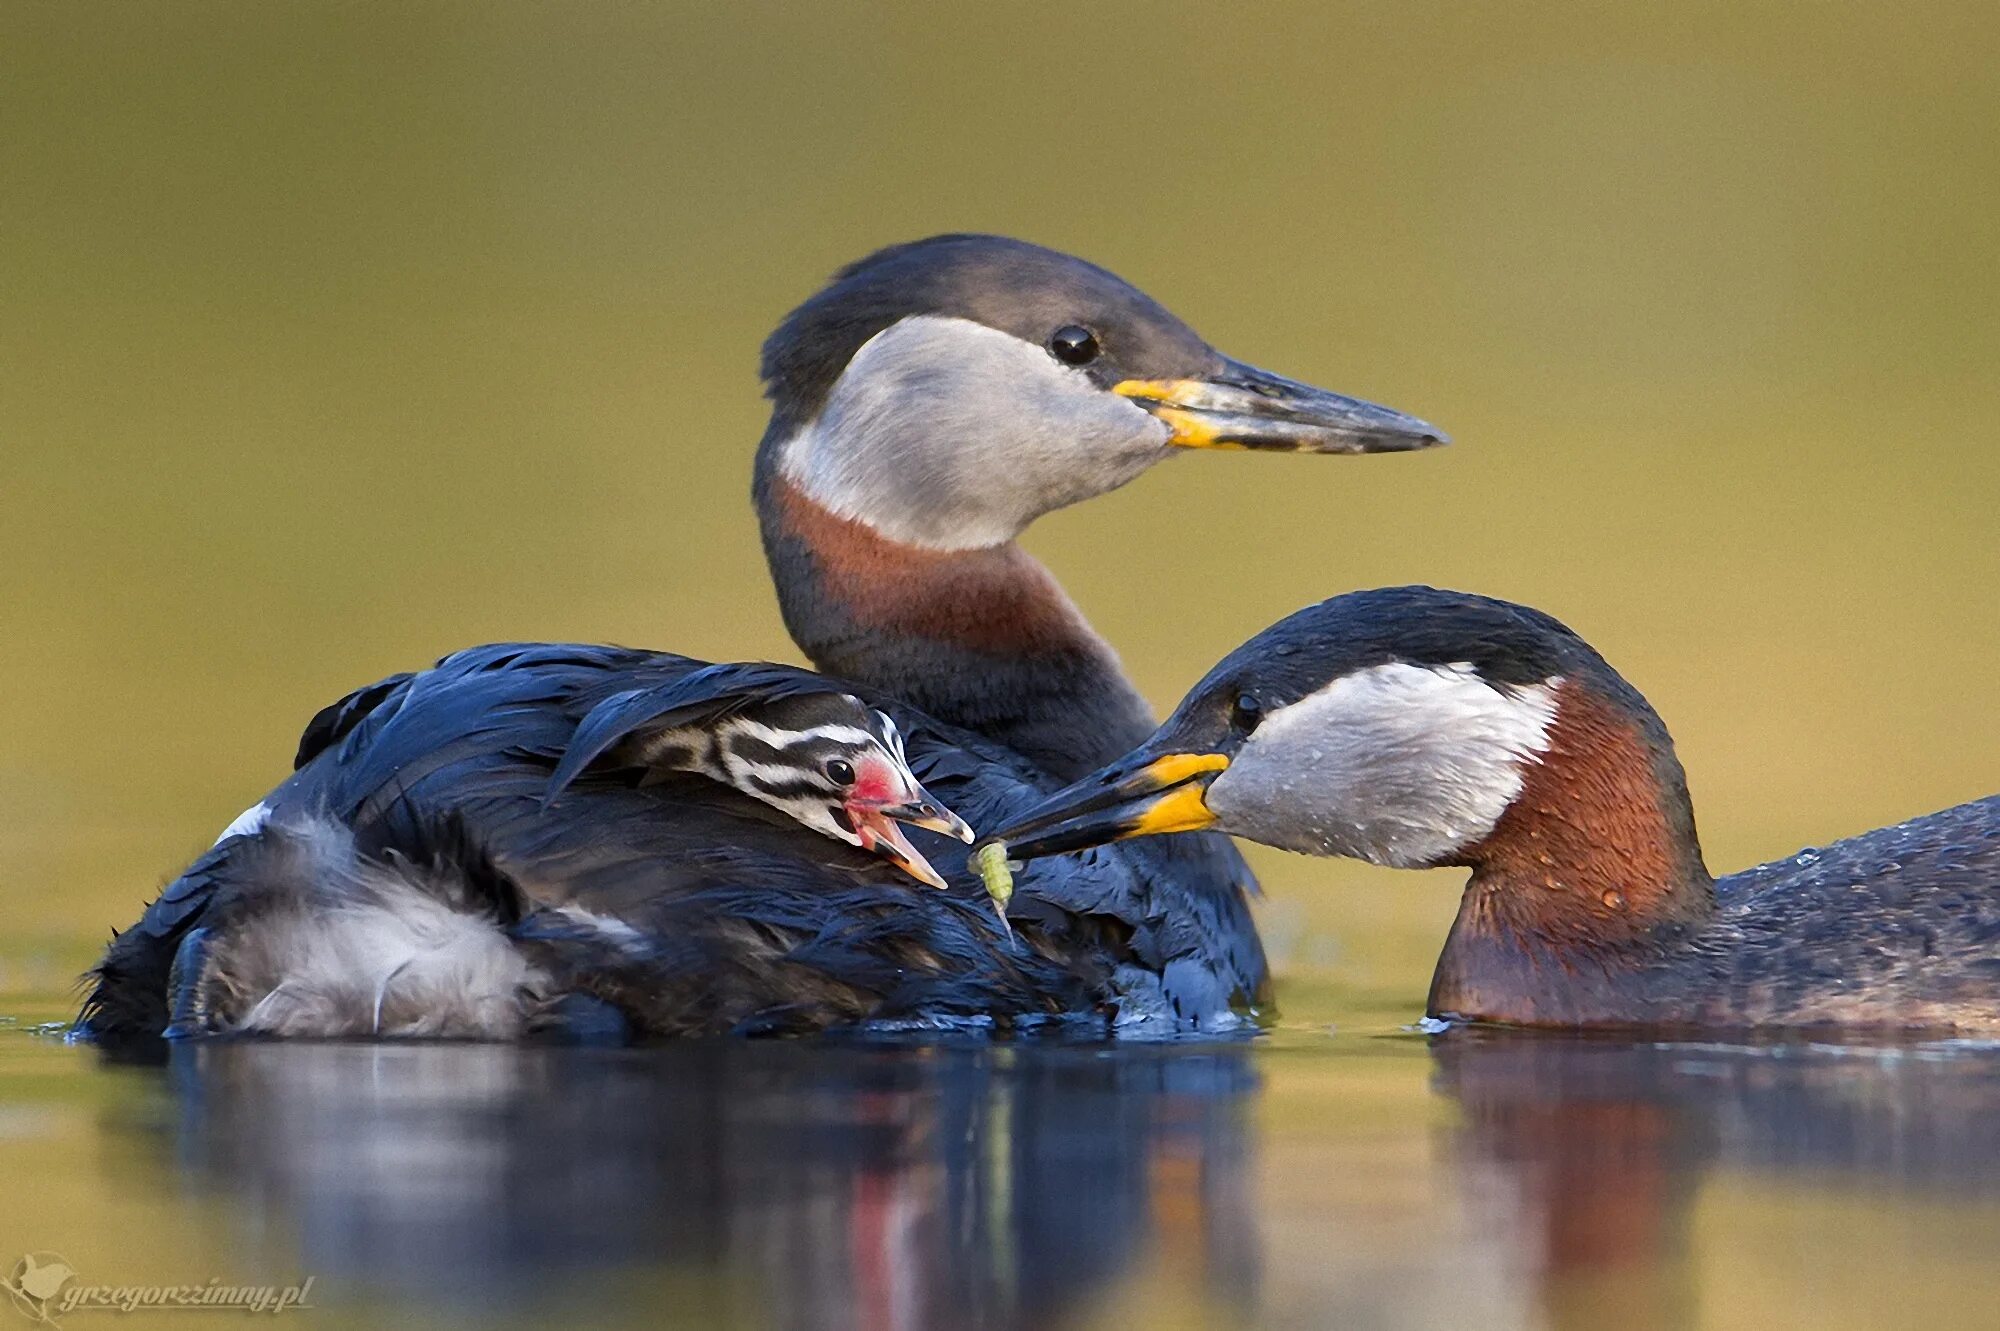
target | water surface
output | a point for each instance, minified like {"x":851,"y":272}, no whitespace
{"x":1353,"y":1174}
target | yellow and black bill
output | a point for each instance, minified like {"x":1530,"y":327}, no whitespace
{"x":1143,"y":794}
{"x":1241,"y":406}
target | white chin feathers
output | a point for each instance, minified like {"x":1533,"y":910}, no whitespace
{"x":947,"y":434}
{"x":1397,"y":764}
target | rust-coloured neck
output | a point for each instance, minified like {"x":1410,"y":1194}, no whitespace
{"x":1593,"y":870}
{"x":991,"y":599}
{"x":983,"y":638}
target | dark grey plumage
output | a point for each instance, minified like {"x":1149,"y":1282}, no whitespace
{"x":1899,"y":920}
{"x":889,"y":492}
{"x":687,"y":908}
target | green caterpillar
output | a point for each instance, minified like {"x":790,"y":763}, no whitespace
{"x":990,"y":863}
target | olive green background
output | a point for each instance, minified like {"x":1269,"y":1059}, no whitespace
{"x":337,"y":336}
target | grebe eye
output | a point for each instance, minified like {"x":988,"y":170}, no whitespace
{"x":1073,"y":344}
{"x":840,"y":771}
{"x":1247,"y":712}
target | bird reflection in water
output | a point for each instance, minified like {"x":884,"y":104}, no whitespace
{"x":856,"y":1184}
{"x":1575,"y":1182}
{"x":1588,"y":1153}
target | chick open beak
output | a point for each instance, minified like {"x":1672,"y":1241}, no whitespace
{"x":1245,"y":407}
{"x":878,"y":827}
{"x":1143,"y":794}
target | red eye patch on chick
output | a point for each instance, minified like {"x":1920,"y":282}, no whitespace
{"x":883,"y":795}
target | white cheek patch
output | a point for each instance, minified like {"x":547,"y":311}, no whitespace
{"x":1397,"y":764}
{"x":950,"y":435}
